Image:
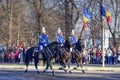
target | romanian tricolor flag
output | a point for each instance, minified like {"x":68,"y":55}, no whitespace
{"x":108,"y":16}
{"x":84,"y":21}
{"x":105,"y":13}
{"x":86,"y":16}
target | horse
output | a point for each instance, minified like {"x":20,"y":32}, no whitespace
{"x":32,"y":54}
{"x":77,"y":54}
{"x":48,"y":53}
{"x":65,"y":55}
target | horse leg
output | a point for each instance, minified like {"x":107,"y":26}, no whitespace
{"x":26,"y":63}
{"x":64,"y":66}
{"x":53,"y":72}
{"x":36,"y":65}
{"x":47,"y":66}
{"x":69,"y":70}
{"x":68,"y":63}
{"x":82,"y":68}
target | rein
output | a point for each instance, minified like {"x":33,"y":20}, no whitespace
{"x":49,"y":51}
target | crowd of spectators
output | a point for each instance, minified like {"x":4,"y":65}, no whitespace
{"x":12,"y":55}
{"x":94,"y":55}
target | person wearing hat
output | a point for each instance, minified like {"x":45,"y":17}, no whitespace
{"x":43,"y":39}
{"x":59,"y":37}
{"x":72,"y":37}
{"x":74,"y":41}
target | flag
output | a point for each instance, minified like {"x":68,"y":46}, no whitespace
{"x":87,"y":13}
{"x":84,"y":21}
{"x":105,"y":13}
{"x":84,"y":25}
{"x":108,"y":16}
{"x":102,"y":10}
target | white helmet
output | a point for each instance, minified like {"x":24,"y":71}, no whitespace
{"x":73,"y":32}
{"x":43,"y":30}
{"x":59,"y":30}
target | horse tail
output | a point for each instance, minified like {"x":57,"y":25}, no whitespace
{"x":26,"y":59}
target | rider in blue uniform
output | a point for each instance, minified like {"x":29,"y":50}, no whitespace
{"x":74,"y":40}
{"x":43,"y":39}
{"x":72,"y":37}
{"x":59,"y":37}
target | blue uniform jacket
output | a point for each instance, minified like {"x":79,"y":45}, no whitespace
{"x":43,"y":40}
{"x":59,"y":38}
{"x":73,"y":38}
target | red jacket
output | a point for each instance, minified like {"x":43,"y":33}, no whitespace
{"x":99,"y":53}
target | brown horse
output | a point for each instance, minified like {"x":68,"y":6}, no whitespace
{"x":77,"y":55}
{"x":65,"y":55}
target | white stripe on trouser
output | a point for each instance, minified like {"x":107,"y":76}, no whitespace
{"x":70,"y":49}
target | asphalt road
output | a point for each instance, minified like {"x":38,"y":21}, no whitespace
{"x":18,"y":74}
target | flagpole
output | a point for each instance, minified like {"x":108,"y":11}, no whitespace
{"x":103,"y":50}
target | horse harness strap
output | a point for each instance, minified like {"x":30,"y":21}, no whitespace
{"x":78,"y":52}
{"x":50,"y":51}
{"x":65,"y":51}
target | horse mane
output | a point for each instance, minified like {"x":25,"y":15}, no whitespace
{"x":54,"y":42}
{"x":67,"y":44}
{"x":78,"y":45}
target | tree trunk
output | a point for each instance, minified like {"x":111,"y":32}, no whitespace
{"x":67,"y":23}
{"x":10,"y":25}
{"x":40,"y":15}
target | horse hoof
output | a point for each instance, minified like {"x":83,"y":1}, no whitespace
{"x":60,"y":68}
{"x":25,"y":71}
{"x":43,"y":71}
{"x":53,"y":73}
{"x":65,"y":71}
{"x":83,"y":71}
{"x":38,"y":72}
{"x":75,"y":68}
{"x":70,"y":72}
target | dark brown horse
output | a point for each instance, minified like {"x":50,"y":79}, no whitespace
{"x":65,"y":55}
{"x":77,"y":54}
{"x":48,"y":53}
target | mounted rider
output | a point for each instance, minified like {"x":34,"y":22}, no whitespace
{"x":59,"y":37}
{"x":74,"y":40}
{"x":43,"y":39}
{"x":73,"y":37}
